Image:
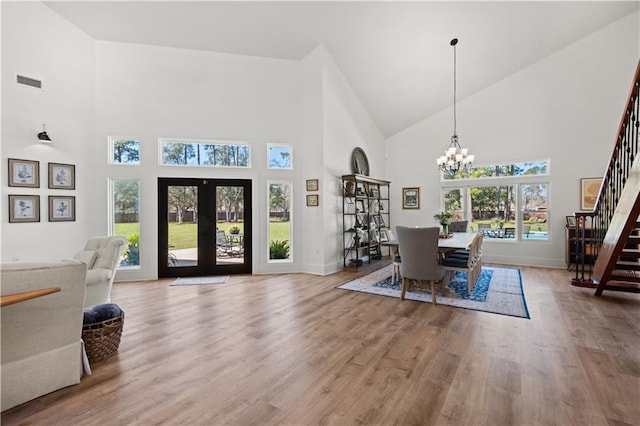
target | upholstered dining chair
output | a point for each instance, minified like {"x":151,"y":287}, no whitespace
{"x":419,"y":249}
{"x":458,"y":226}
{"x":469,"y":261}
{"x":397,"y":260}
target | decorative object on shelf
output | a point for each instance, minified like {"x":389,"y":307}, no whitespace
{"x":349,"y":187}
{"x":444,"y":219}
{"x":24,"y":173}
{"x":62,"y":176}
{"x":312,"y":200}
{"x":571,"y":222}
{"x":24,"y":208}
{"x":455,"y":158}
{"x":589,"y":190}
{"x":43,"y":137}
{"x":62,"y":208}
{"x":359,"y":162}
{"x":312,"y":184}
{"x":411,"y":198}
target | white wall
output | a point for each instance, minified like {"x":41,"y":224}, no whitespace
{"x":346,"y":125}
{"x":566,"y":108}
{"x":149,"y":92}
{"x":38,"y":43}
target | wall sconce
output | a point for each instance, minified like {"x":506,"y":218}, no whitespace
{"x":43,"y":137}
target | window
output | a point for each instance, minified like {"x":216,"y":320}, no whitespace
{"x":126,"y":218}
{"x":124,"y":151}
{"x":534,"y":211}
{"x":204,"y":153}
{"x":537,"y":168}
{"x":279,"y":157}
{"x":506,"y":202}
{"x":279,"y":221}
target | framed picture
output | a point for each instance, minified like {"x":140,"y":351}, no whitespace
{"x":360,"y":206}
{"x":62,"y":176}
{"x":379,"y":220}
{"x":62,"y":208}
{"x":589,"y":188}
{"x":24,"y":208}
{"x":571,"y":222}
{"x":24,"y":173}
{"x":384,"y":236}
{"x":373,"y":192}
{"x":312,"y":200}
{"x":312,"y":184}
{"x":411,"y":198}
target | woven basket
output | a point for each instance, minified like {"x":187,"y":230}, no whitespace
{"x":102,"y":339}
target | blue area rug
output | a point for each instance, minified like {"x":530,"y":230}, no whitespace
{"x":498,"y":290}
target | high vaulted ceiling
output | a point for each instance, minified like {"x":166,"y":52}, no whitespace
{"x":395,"y":55}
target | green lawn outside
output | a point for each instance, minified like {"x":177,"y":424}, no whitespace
{"x":184,"y":235}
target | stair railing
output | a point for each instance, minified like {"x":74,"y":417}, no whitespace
{"x":592,"y":226}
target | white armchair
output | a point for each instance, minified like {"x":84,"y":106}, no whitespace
{"x":101,"y":255}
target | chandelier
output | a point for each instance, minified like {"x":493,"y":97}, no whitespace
{"x":455,"y":158}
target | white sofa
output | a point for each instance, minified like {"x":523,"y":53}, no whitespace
{"x":101,"y":255}
{"x":41,"y":346}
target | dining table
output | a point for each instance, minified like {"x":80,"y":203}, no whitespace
{"x":455,"y":241}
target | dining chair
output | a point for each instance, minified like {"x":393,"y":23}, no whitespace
{"x":458,"y":226}
{"x":397,"y":260}
{"x":469,"y":261}
{"x":419,"y":248}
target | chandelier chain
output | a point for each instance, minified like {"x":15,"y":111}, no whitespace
{"x":455,"y":157}
{"x":454,"y":91}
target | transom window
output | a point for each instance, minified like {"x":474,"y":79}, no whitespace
{"x":536,"y":168}
{"x":279,"y":156}
{"x":175,"y":152}
{"x":124,"y":151}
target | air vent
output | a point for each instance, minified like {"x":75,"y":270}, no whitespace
{"x":32,"y":82}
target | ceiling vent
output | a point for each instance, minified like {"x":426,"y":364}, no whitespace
{"x":31,"y":82}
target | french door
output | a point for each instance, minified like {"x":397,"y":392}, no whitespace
{"x":204,"y":227}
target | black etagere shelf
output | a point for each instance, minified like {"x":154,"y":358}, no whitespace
{"x":366,"y":218}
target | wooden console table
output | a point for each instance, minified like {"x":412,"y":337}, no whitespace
{"x":10,"y":299}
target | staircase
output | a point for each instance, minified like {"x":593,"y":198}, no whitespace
{"x":608,"y":254}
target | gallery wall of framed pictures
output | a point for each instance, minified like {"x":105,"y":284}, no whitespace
{"x":26,"y":207}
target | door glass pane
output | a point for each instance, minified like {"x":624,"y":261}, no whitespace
{"x":534,"y":212}
{"x":182,"y":221}
{"x":279,"y":221}
{"x":126,"y":202}
{"x":229,"y":209}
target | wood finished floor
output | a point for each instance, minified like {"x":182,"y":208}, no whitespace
{"x":293,"y":350}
